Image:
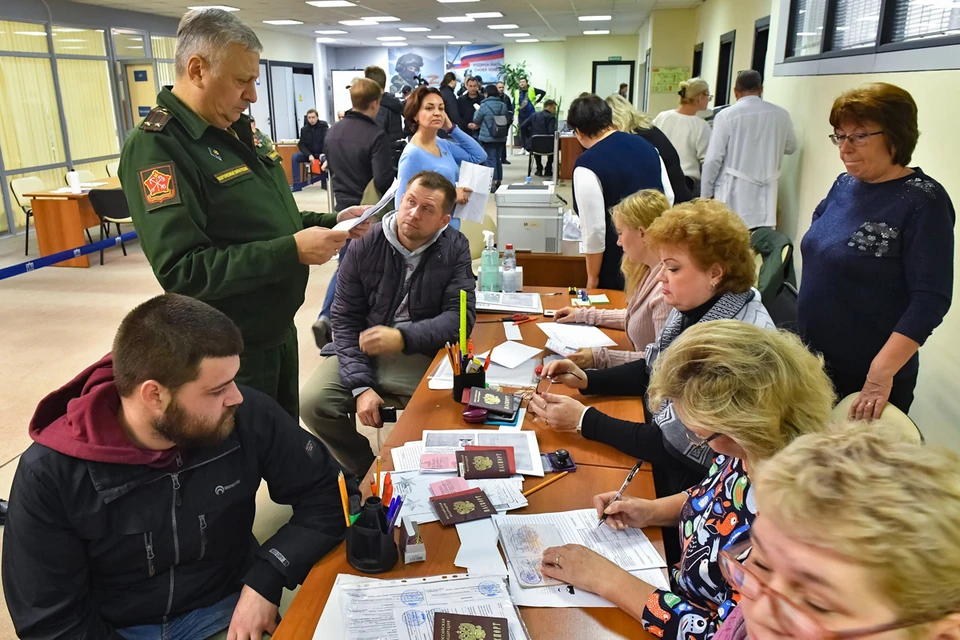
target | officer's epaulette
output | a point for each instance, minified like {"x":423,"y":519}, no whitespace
{"x":156,"y":120}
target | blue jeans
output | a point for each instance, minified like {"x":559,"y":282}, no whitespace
{"x":494,"y":158}
{"x":298,"y":159}
{"x":199,"y":624}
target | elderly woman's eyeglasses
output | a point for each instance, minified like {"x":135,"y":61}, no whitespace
{"x":698,"y":441}
{"x":856,"y":139}
{"x":788,"y":614}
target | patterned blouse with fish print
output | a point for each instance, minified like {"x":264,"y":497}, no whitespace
{"x":718,"y":512}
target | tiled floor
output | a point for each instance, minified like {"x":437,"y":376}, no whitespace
{"x":54,"y":322}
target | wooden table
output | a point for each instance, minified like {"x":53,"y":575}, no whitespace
{"x":570,"y":150}
{"x":286,"y":152}
{"x":599,"y":468}
{"x":552,"y":269}
{"x":60,"y":220}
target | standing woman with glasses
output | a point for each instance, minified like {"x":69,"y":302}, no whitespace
{"x":856,"y":538}
{"x":878,"y":257}
{"x":747,"y":392}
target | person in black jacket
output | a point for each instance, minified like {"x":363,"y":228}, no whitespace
{"x":507,"y":101}
{"x":541,"y":123}
{"x":467,"y":106}
{"x":450,"y":103}
{"x":397,"y":304}
{"x":390,"y":116}
{"x":133,"y":508}
{"x":310,"y":145}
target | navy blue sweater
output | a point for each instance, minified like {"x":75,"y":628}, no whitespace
{"x":878,"y":259}
{"x":624,"y":164}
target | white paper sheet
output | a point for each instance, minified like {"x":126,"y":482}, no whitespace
{"x":407,"y":457}
{"x":512,"y":302}
{"x":557,"y":347}
{"x":576,"y":336}
{"x":519,"y":377}
{"x":478,"y":178}
{"x":512,"y":331}
{"x":512,"y":354}
{"x":564,"y":595}
{"x":524,"y":538}
{"x":91,"y":185}
{"x":330,"y":624}
{"x":504,"y":493}
{"x":526,"y":451}
{"x":478,"y":553}
{"x":346,"y":225}
{"x":403,"y":609}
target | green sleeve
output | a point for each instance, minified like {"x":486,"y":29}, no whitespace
{"x":173,"y":233}
{"x":311,"y":219}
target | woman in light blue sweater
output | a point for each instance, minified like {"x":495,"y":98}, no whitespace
{"x":425,"y":116}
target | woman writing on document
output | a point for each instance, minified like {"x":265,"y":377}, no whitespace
{"x":746,"y":392}
{"x":646,"y":310}
{"x":707,"y":274}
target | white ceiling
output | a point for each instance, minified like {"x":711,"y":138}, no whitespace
{"x":542,"y":19}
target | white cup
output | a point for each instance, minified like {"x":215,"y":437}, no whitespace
{"x":73,"y":181}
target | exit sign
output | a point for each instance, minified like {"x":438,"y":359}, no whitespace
{"x":614,"y":58}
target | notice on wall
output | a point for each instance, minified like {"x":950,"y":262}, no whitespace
{"x":139,"y":76}
{"x":668,"y":79}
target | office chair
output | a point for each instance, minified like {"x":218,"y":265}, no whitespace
{"x":110,"y":205}
{"x":540,"y":145}
{"x":113,"y":168}
{"x":85,"y":176}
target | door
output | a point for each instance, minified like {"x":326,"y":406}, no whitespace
{"x":697,"y":60}
{"x":305,"y":98}
{"x":725,"y":69}
{"x":141,"y":95}
{"x":646,"y":81}
{"x":608,"y":76}
{"x":761,"y":37}
{"x":282,"y":100}
{"x":260,"y":110}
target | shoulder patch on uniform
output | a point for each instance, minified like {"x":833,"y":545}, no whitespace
{"x":230,"y":174}
{"x":273,"y":155}
{"x":159,"y":186}
{"x":156,"y":120}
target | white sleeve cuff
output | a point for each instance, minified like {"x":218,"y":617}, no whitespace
{"x":580,"y":421}
{"x":358,"y":391}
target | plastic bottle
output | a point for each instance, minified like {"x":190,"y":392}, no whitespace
{"x":509,"y":264}
{"x":529,"y":180}
{"x":489,"y":265}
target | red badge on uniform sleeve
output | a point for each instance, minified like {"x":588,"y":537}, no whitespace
{"x":159,"y":186}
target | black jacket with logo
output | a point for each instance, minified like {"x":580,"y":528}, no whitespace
{"x":312,"y":137}
{"x":90,"y":547}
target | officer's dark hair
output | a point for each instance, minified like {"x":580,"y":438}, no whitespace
{"x":166,"y":338}
{"x":376,"y":74}
{"x":436,"y":182}
{"x":590,"y":115}
{"x":748,"y":81}
{"x":412,"y":105}
{"x":491,"y":91}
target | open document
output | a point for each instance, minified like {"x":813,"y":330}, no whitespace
{"x":384,"y":202}
{"x":504,"y":493}
{"x":478,"y":178}
{"x":512,"y":302}
{"x":524,"y":443}
{"x":574,"y":336}
{"x":404,"y":609}
{"x":525,"y":537}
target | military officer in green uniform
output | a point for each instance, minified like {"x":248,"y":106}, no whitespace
{"x":212,"y":206}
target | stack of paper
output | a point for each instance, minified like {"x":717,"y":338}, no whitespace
{"x":521,"y":376}
{"x":526,"y":451}
{"x":512,"y":302}
{"x":504,"y":493}
{"x":384,"y":202}
{"x":407,"y":457}
{"x":512,"y":354}
{"x":567,"y":338}
{"x":479,"y":179}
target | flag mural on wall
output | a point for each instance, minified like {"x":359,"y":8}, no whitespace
{"x":408,"y":65}
{"x":475,"y":60}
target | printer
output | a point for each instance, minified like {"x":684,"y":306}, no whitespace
{"x":530,"y":217}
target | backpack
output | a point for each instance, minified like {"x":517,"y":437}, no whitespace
{"x":502,"y":127}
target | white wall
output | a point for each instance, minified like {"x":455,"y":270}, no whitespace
{"x":285,"y":47}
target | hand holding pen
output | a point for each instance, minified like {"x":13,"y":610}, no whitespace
{"x":605,"y":502}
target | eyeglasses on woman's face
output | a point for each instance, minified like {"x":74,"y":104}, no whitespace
{"x":697,"y":441}
{"x":856,"y":139}
{"x":735,"y":566}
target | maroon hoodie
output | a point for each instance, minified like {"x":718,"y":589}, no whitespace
{"x":80,"y":420}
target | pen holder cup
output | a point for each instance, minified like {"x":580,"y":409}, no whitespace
{"x":465,"y":381}
{"x":369,"y":548}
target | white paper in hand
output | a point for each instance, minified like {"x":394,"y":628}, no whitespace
{"x":478,"y":178}
{"x":387,"y":198}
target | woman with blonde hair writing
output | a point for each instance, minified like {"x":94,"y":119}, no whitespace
{"x":646,"y":311}
{"x":688,"y":132}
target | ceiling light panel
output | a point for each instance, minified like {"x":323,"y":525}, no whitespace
{"x":414,"y":29}
{"x":485,"y":14}
{"x":331,"y":32}
{"x":358,"y":23}
{"x":455,"y":19}
{"x":502,"y":26}
{"x":282,"y":23}
{"x":596,"y":32}
{"x":594,"y":18}
{"x":330,"y":4}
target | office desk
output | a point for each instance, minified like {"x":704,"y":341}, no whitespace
{"x":60,"y":220}
{"x":570,"y":150}
{"x":552,"y":269}
{"x":286,"y":152}
{"x":600,"y":468}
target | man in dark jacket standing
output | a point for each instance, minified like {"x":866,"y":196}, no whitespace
{"x":541,"y":123}
{"x":468,"y":104}
{"x":450,"y":104}
{"x":390,"y":116}
{"x":131,"y":514}
{"x":397,"y":304}
{"x":493,"y":140}
{"x":310,"y":145}
{"x":507,"y":101}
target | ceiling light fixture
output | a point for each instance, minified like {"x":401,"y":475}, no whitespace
{"x":414,"y":29}
{"x":326,"y":40}
{"x":455,"y":1}
{"x":455,"y":19}
{"x":328,"y":4}
{"x":597,"y":32}
{"x":516,"y":35}
{"x":222,"y":7}
{"x":393,"y":44}
{"x":358,"y":23}
{"x":458,"y":42}
{"x":391,"y":38}
{"x":502,"y":26}
{"x":282,"y":23}
{"x":527,"y":40}
{"x":381,"y":18}
{"x":440,"y":37}
{"x":485,"y":14}
{"x":594,"y":18}
{"x":330,"y":32}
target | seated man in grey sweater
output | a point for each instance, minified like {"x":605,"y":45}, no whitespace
{"x":397,"y":304}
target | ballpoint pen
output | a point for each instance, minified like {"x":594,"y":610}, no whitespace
{"x":623,"y":488}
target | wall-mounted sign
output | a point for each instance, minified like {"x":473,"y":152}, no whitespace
{"x":140,"y":76}
{"x":143,"y":111}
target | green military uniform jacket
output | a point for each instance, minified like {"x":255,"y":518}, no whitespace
{"x":216,"y":218}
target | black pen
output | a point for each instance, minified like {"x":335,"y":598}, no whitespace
{"x":623,"y":488}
